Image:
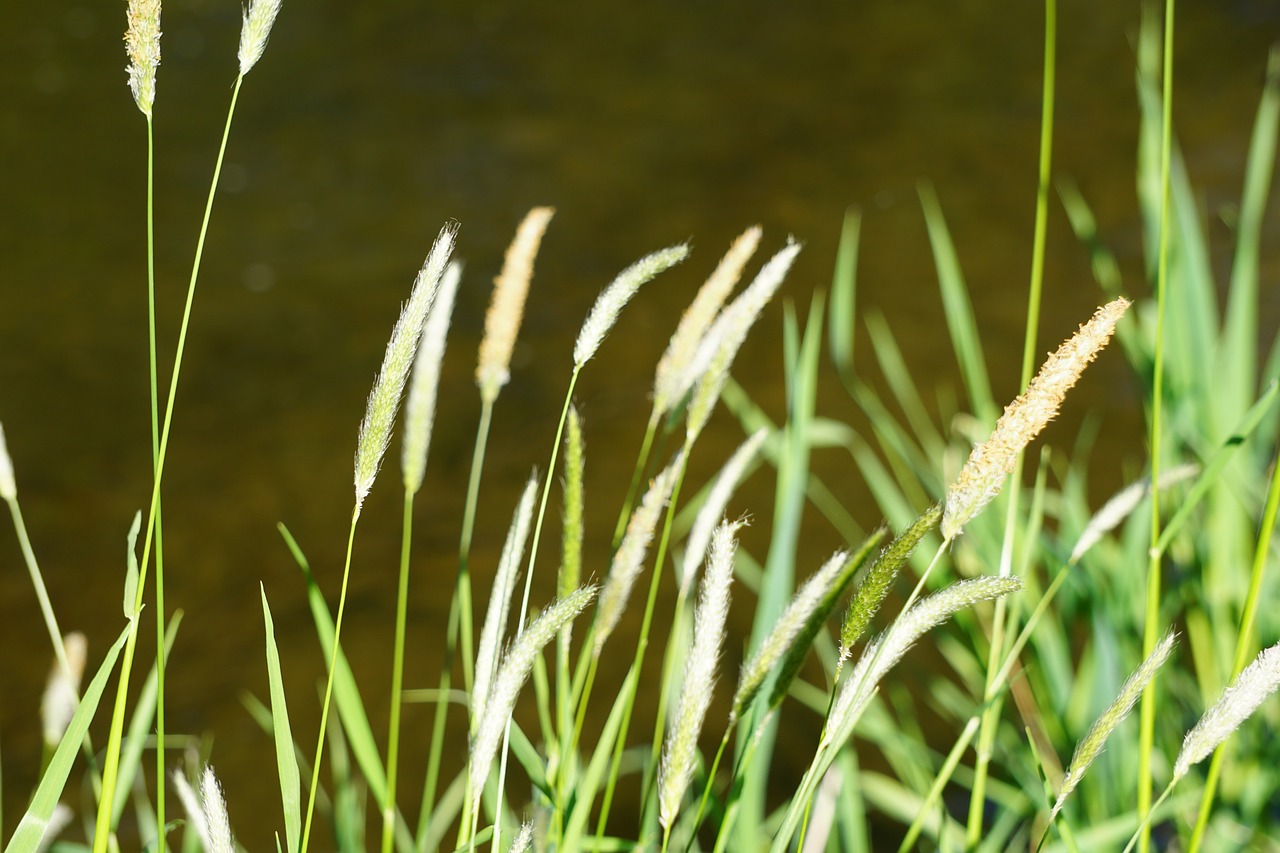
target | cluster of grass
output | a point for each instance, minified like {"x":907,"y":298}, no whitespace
{"x":1152,"y":586}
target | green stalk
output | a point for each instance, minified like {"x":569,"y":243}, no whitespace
{"x":397,"y":678}
{"x":641,"y":461}
{"x":111,"y":767}
{"x":328,"y":688}
{"x":1244,"y":644}
{"x":1151,"y":628}
{"x":991,"y":713}
{"x":459,"y":626}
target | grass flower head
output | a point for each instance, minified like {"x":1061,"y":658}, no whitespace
{"x":142,"y":44}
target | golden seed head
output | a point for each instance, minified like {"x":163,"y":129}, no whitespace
{"x":142,"y":43}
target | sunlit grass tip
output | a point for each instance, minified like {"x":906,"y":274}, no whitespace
{"x":142,"y":44}
{"x":424,"y":382}
{"x":258,"y":20}
{"x":524,"y":838}
{"x":783,"y":633}
{"x":208,"y":813}
{"x":504,"y":583}
{"x":506,"y":305}
{"x":697,"y":318}
{"x":883,"y":654}
{"x":604,"y":313}
{"x":704,"y":524}
{"x":1091,"y":746}
{"x":679,"y":753}
{"x":384,"y":399}
{"x":62,"y":691}
{"x":628,"y":561}
{"x":516,"y":665}
{"x":1250,"y":689}
{"x":8,"y":483}
{"x":990,"y":462}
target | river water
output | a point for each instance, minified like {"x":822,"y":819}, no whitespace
{"x":367,"y":126}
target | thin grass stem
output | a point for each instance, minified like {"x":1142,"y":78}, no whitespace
{"x":397,"y":677}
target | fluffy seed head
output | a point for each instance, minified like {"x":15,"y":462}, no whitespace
{"x":1255,"y":683}
{"x":713,"y":509}
{"x":1023,"y":419}
{"x":628,"y":561}
{"x":516,"y":664}
{"x":614,"y":297}
{"x":697,"y":318}
{"x":8,"y":484}
{"x":506,"y":306}
{"x":1091,"y":746}
{"x":142,"y":44}
{"x":680,"y":750}
{"x":384,"y":399}
{"x":524,"y":838}
{"x":258,"y":20}
{"x":424,"y":383}
{"x":1123,"y":502}
{"x":208,"y":813}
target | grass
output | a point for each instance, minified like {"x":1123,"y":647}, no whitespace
{"x":972,"y":758}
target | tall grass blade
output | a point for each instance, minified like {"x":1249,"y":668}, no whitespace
{"x":842,"y":323}
{"x":286,"y":756}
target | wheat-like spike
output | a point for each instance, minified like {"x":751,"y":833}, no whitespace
{"x":783,"y":634}
{"x":8,"y":483}
{"x":1125,"y":501}
{"x":574,"y":469}
{"x":506,"y":306}
{"x":504,"y":584}
{"x":1091,"y":746}
{"x":861,"y":684}
{"x":709,"y":368}
{"x":258,"y":20}
{"x":424,"y":381}
{"x":713,"y":508}
{"x":1255,"y":683}
{"x":990,"y":462}
{"x":524,"y":838}
{"x":604,"y":313}
{"x":142,"y":44}
{"x":697,"y":318}
{"x":628,"y":561}
{"x":384,"y":399}
{"x":680,"y":750}
{"x":516,"y":664}
{"x":62,"y":691}
{"x":214,"y":806}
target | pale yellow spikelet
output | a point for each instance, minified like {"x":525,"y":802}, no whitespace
{"x":256,"y":29}
{"x":506,"y":306}
{"x":990,"y":462}
{"x":1091,"y":746}
{"x":697,"y":318}
{"x":424,"y":382}
{"x":142,"y":44}
{"x":8,"y":483}
{"x":628,"y":561}
{"x":62,"y":691}
{"x":604,"y":313}
{"x":1253,"y":686}
{"x":384,"y":399}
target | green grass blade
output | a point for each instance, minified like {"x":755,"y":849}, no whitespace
{"x":841,"y":323}
{"x":26,"y":839}
{"x":286,"y":758}
{"x":589,"y":782}
{"x":131,"y":601}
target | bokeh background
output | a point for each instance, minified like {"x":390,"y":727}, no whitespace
{"x":362,"y":130}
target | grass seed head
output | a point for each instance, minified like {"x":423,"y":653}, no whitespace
{"x":424,"y":382}
{"x":258,"y":20}
{"x":506,"y":306}
{"x":142,"y":44}
{"x":604,"y":313}
{"x":990,"y":462}
{"x":1255,"y":683}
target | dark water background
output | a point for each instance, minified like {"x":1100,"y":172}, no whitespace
{"x":362,"y":130}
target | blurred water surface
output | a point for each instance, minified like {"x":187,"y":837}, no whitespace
{"x":362,"y":130}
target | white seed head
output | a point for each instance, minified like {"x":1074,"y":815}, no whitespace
{"x":619,"y":292}
{"x":523,"y":839}
{"x":990,"y":462}
{"x":1255,"y":683}
{"x":8,"y":483}
{"x":424,"y":382}
{"x":142,"y":44}
{"x":207,"y":814}
{"x":506,"y":306}
{"x":258,"y":20}
{"x":384,"y":399}
{"x":1123,"y":502}
{"x":62,"y":691}
{"x":713,"y":509}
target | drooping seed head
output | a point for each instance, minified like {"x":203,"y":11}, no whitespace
{"x":142,"y":44}
{"x":424,"y":382}
{"x":990,"y":462}
{"x":1123,"y":502}
{"x":258,"y":20}
{"x":384,"y":399}
{"x":713,"y":508}
{"x":506,"y":306}
{"x":604,"y":313}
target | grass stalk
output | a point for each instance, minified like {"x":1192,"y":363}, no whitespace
{"x":1151,"y":617}
{"x":397,"y":677}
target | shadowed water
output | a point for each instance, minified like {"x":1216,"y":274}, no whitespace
{"x":362,"y":130}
